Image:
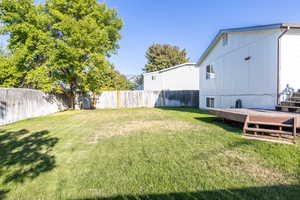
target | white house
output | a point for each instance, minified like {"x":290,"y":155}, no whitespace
{"x":250,"y":64}
{"x":179,"y":77}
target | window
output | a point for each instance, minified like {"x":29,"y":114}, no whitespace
{"x":210,"y":72}
{"x":153,"y":78}
{"x":210,"y":102}
{"x":225,"y":40}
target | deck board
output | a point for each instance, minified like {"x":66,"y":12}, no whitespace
{"x":239,"y":115}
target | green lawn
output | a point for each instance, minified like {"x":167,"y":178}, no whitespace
{"x":175,"y":154}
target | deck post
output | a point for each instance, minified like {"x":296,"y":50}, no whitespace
{"x":280,"y":129}
{"x":246,"y":124}
{"x":256,"y":126}
{"x":295,"y":129}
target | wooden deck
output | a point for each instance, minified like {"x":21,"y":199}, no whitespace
{"x":239,"y":115}
{"x":268,"y":124}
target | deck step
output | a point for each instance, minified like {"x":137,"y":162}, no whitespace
{"x":271,"y":128}
{"x":297,"y":99}
{"x":270,"y":138}
{"x":294,"y":109}
{"x":296,"y":94}
{"x":268,"y":131}
{"x":290,"y":103}
{"x":270,"y":124}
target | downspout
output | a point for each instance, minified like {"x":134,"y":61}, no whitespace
{"x":279,"y":62}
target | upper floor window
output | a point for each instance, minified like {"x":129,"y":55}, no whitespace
{"x":153,"y":78}
{"x":210,"y":72}
{"x":225,"y":40}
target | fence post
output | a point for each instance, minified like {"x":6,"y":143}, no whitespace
{"x":118,"y":99}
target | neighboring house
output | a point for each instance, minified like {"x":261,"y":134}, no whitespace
{"x":179,"y":77}
{"x":252,"y":64}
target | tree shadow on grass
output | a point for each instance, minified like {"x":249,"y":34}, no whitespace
{"x":284,"y":192}
{"x":206,"y":117}
{"x":3,"y":194}
{"x":230,"y":126}
{"x":185,"y":109}
{"x":25,"y":155}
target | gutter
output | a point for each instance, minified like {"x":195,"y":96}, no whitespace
{"x":279,"y":62}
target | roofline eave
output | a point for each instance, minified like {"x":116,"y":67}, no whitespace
{"x":170,"y":68}
{"x":243,"y":29}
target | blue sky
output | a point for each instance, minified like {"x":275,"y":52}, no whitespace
{"x":189,"y":24}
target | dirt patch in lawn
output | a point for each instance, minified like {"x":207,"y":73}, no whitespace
{"x":245,"y":165}
{"x":141,"y":126}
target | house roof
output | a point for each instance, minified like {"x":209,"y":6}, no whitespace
{"x":244,"y":29}
{"x":171,"y":68}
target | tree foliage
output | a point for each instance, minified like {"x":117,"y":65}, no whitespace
{"x":139,"y":82}
{"x":108,"y":79}
{"x":62,"y":44}
{"x":3,"y":51}
{"x":121,"y":82}
{"x":161,"y":56}
{"x":24,"y":22}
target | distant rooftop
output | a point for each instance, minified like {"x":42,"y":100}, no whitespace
{"x":174,"y":67}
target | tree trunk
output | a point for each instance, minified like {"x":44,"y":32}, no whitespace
{"x":94,"y":101}
{"x":76,"y":105}
{"x":72,"y":96}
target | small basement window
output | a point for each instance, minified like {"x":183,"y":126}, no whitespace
{"x":225,"y":40}
{"x":210,"y":102}
{"x":210,"y":72}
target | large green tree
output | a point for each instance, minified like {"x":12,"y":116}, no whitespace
{"x":85,"y":32}
{"x":161,"y":56}
{"x":60,"y":45}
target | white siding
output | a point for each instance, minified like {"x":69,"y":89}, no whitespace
{"x":290,"y":60}
{"x":179,"y":78}
{"x":150,"y":84}
{"x":253,"y":81}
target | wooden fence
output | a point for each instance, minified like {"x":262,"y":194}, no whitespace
{"x":150,"y":99}
{"x":18,"y":104}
